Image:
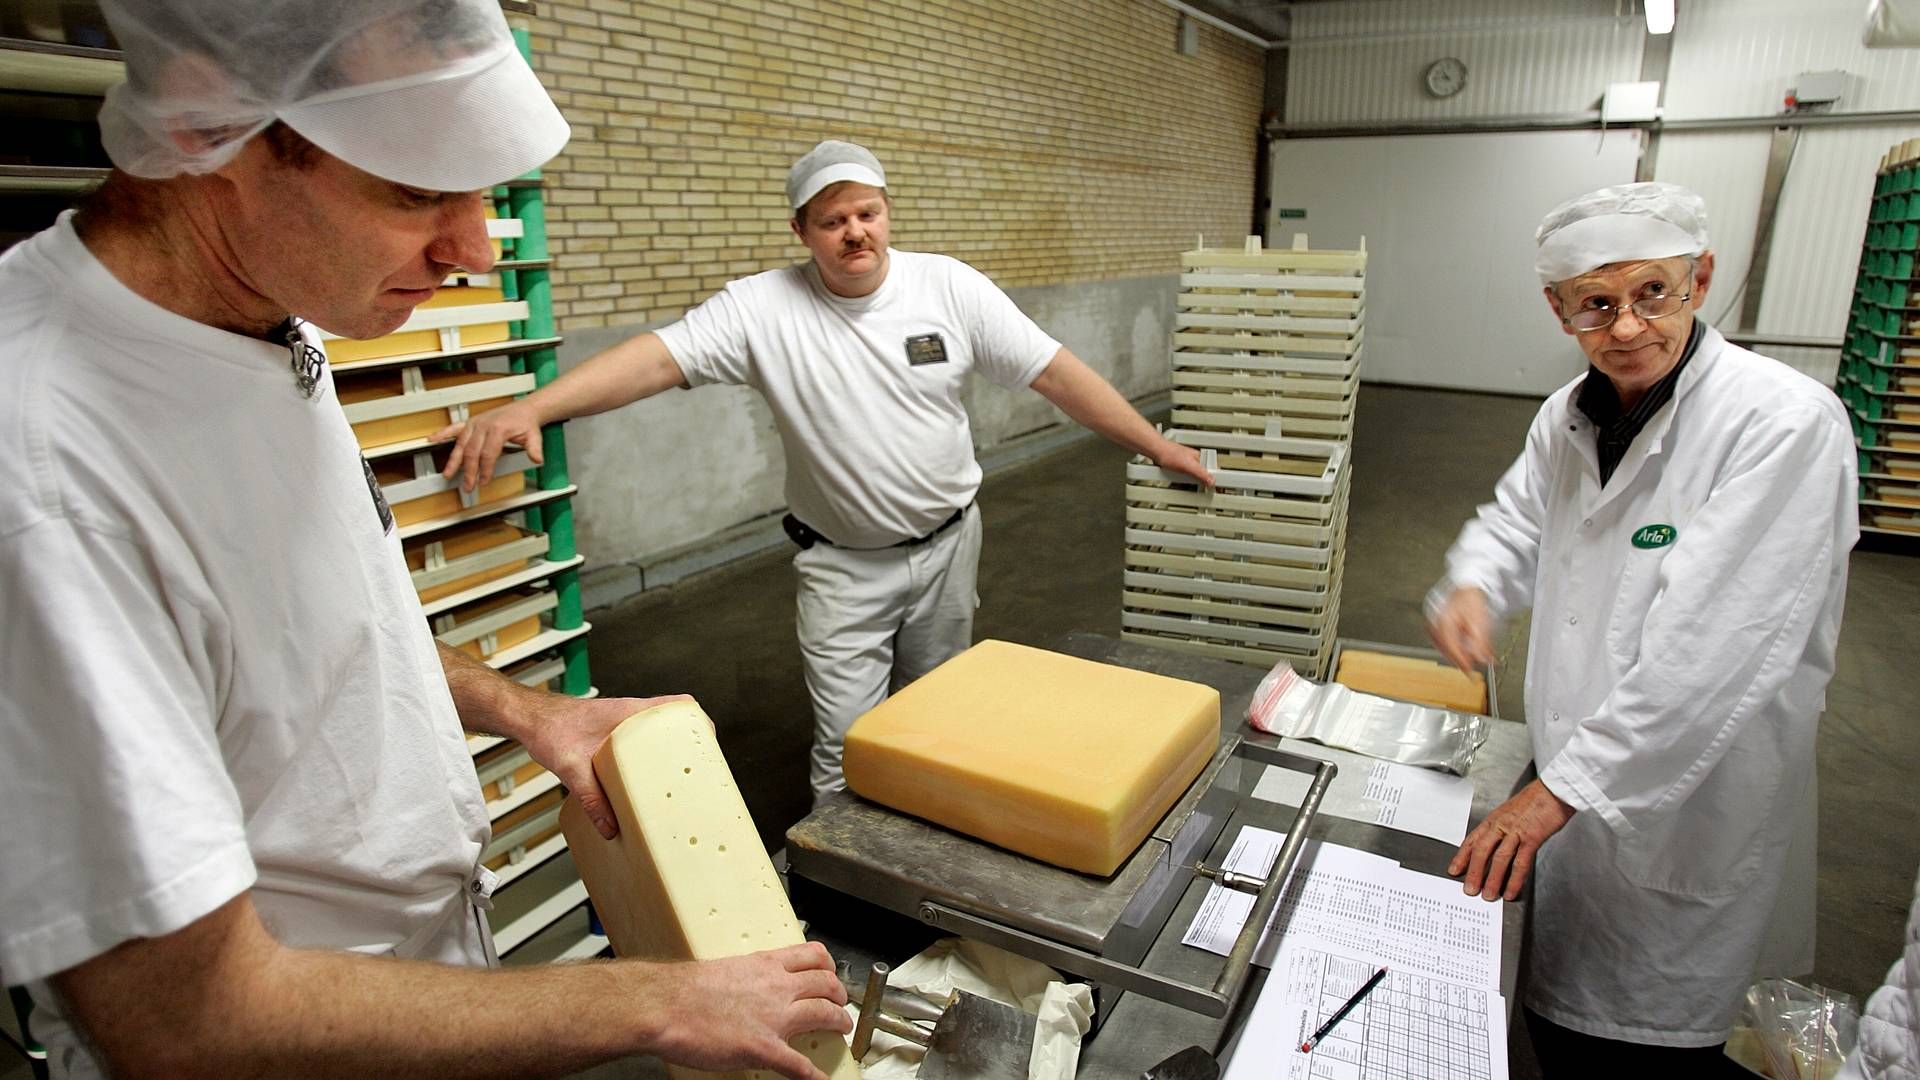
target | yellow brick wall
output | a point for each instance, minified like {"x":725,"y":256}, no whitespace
{"x":1043,"y":141}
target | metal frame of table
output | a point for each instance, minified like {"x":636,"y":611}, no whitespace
{"x":1141,"y":1032}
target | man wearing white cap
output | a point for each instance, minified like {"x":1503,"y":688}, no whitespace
{"x":243,"y":830}
{"x":862,"y":353}
{"x":1679,"y":523}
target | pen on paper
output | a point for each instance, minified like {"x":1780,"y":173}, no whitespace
{"x":1341,"y":1013}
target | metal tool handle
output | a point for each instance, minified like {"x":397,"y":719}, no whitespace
{"x":1240,"y":959}
{"x":1217,"y":1000}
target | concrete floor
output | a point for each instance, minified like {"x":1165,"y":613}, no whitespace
{"x":1422,"y":461}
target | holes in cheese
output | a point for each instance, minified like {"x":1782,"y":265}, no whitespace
{"x":687,"y":878}
{"x":1067,"y":760}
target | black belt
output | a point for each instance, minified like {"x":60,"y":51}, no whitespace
{"x":804,"y":535}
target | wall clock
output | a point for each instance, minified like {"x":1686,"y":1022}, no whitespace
{"x":1446,"y":77}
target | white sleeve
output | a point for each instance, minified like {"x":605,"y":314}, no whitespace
{"x":1498,"y":551}
{"x":121,"y":820}
{"x":710,"y":343}
{"x":1740,"y":595}
{"x":1008,"y":347}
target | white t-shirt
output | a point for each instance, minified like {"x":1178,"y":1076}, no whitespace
{"x":215,"y":676}
{"x":866,"y":390}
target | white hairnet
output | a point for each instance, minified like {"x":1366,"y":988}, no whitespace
{"x":429,"y":93}
{"x":1624,"y":223}
{"x":829,"y":163}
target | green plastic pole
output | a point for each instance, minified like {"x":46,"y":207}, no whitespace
{"x":578,"y":679}
{"x":534,"y":286}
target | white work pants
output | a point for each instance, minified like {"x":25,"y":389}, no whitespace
{"x":871,"y":622}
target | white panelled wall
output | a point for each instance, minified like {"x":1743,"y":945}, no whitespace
{"x":1730,"y":58}
{"x":1523,"y":58}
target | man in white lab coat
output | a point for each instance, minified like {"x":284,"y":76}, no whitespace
{"x":1679,"y":521}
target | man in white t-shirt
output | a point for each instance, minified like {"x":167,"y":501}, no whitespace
{"x":243,"y":833}
{"x":861,"y":352}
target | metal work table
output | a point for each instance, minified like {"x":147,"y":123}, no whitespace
{"x":1141,"y":1032}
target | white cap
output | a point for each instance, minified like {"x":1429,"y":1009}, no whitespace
{"x":832,"y":162}
{"x":433,"y":94}
{"x":1624,"y":223}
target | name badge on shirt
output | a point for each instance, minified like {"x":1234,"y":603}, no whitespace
{"x":380,"y":506}
{"x":926,"y":349}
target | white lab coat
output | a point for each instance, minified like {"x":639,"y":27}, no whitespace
{"x":1673,"y":689}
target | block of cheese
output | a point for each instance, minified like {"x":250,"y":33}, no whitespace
{"x":1069,"y":761}
{"x":463,"y":543}
{"x":686,"y":879}
{"x":1413,"y":678}
{"x":381,"y":386}
{"x":410,"y":342}
{"x":506,"y":637}
{"x":443,"y":503}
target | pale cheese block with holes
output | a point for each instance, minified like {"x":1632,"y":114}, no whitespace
{"x":1069,"y":761}
{"x":686,"y":879}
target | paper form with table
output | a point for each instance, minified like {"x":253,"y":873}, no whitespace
{"x":1403,"y":797}
{"x":1439,"y":1013}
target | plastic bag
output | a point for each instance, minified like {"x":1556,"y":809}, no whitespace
{"x":1791,"y":1031}
{"x":1334,"y":715}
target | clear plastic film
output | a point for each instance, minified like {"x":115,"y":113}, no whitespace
{"x":1293,"y":707}
{"x":1791,"y":1031}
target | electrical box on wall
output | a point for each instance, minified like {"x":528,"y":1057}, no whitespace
{"x":1628,"y":102}
{"x":1819,"y":87}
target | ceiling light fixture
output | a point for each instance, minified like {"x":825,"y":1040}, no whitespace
{"x":1659,"y":16}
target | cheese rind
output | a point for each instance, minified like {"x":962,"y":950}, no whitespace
{"x":1412,"y":678}
{"x":687,"y":878}
{"x":1067,"y":760}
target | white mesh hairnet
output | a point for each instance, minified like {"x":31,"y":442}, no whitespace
{"x":428,"y":93}
{"x":1624,"y":223}
{"x":830,"y":163}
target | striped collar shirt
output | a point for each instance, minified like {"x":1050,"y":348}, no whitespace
{"x":1615,"y":428}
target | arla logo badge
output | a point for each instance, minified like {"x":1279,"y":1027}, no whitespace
{"x":1648,"y":537}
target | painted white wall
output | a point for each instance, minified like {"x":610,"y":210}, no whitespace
{"x":1452,"y":299}
{"x":1730,"y":58}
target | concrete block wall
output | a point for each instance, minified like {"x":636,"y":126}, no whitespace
{"x":1064,"y":147}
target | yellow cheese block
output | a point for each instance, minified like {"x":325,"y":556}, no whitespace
{"x":443,"y":503}
{"x":1069,"y":761}
{"x":504,"y":638}
{"x":463,"y":541}
{"x":686,"y":879}
{"x":524,"y":773}
{"x":513,"y":819}
{"x":377,"y":386}
{"x":409,"y":342}
{"x":1412,"y":678}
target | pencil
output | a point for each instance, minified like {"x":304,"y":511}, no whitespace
{"x":1341,"y":1013}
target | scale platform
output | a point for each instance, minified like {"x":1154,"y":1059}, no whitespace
{"x":1097,"y":928}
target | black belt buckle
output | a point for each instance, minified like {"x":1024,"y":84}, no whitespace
{"x":798,"y":532}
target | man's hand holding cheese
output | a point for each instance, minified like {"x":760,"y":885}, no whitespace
{"x":245,"y":836}
{"x":1679,"y":522}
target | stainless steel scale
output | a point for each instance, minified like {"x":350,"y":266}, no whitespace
{"x":1097,"y":928}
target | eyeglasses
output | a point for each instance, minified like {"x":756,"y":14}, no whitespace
{"x":1587,"y":320}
